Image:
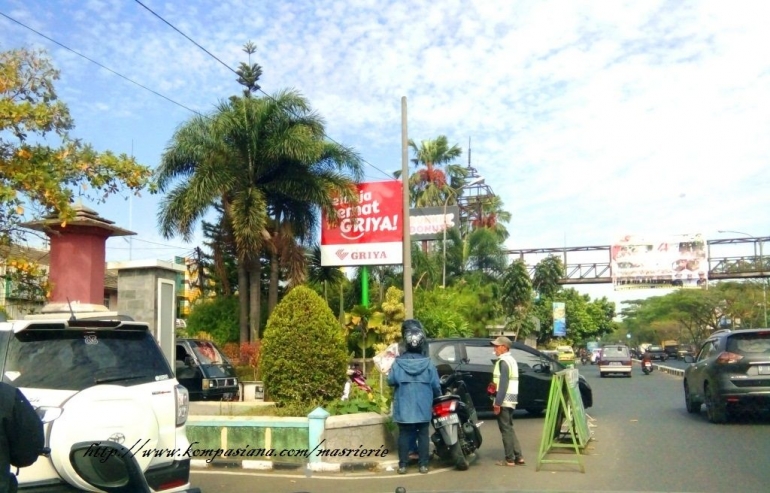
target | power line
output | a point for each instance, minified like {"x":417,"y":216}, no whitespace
{"x":389,"y":175}
{"x":99,"y":64}
{"x":186,"y":36}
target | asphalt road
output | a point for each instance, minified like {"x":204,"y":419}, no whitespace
{"x":644,"y":441}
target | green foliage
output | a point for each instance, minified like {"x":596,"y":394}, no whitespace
{"x":35,"y":175}
{"x":358,"y":402}
{"x":442,"y":312}
{"x":689,"y":315}
{"x":217,"y":316}
{"x":517,"y":288}
{"x":303,"y":350}
{"x":548,"y":272}
{"x":295,"y":408}
{"x":586,"y":319}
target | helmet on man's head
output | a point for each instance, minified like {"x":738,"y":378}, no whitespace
{"x":411,"y":325}
{"x":413,"y":334}
{"x":415,"y":339}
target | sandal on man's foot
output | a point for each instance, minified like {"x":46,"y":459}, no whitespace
{"x":504,"y":463}
{"x":520,"y":462}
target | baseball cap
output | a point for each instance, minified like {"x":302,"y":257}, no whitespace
{"x":502,"y":341}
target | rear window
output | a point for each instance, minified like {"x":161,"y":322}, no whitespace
{"x":749,"y":344}
{"x":75,"y":359}
{"x":615,"y":351}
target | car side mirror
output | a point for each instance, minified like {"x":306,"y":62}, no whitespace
{"x":689,"y":359}
{"x":189,"y":361}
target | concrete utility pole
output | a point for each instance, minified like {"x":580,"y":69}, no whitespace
{"x":407,"y":243}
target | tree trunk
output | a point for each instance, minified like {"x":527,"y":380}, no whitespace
{"x":255,"y":298}
{"x":272,"y":294}
{"x":243,"y":301}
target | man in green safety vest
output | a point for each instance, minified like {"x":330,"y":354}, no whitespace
{"x":505,"y":378}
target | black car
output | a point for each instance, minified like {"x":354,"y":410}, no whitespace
{"x":731,"y":372}
{"x":204,"y":370}
{"x":656,"y":352}
{"x":476,"y":355}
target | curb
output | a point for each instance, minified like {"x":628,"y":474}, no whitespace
{"x":267,"y":465}
{"x":671,"y":371}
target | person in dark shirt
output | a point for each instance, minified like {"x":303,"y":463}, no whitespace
{"x":21,"y":435}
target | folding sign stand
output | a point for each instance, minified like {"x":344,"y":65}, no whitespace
{"x":565,"y":406}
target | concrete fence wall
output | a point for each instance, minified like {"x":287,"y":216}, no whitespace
{"x":319,"y":440}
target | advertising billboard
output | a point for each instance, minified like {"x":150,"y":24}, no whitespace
{"x":428,"y":223}
{"x":370,"y":232}
{"x":659,"y":261}
{"x":559,"y":319}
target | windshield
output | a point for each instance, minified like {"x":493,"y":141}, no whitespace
{"x":75,"y":359}
{"x":207,"y":353}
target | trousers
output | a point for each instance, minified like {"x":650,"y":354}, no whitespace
{"x":511,"y":443}
{"x":406,"y":433}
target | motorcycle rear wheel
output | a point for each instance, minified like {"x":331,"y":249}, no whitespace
{"x":458,"y":457}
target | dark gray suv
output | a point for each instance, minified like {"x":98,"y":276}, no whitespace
{"x":730,"y":372}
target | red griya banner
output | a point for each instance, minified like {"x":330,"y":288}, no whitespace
{"x":376,"y":218}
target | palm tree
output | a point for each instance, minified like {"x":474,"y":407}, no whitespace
{"x":484,"y":253}
{"x":322,"y":275}
{"x":548,"y":273}
{"x":489,"y":213}
{"x":293,"y":208}
{"x":249,"y":151}
{"x":430,"y":183}
{"x":516,"y":292}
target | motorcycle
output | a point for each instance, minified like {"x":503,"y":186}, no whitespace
{"x":457,"y":434}
{"x":584,"y":359}
{"x":647,"y":367}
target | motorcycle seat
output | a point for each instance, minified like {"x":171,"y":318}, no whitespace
{"x":444,"y":398}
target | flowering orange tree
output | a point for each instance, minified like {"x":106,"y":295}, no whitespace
{"x":34,"y":174}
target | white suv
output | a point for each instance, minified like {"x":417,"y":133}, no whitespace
{"x":98,"y":380}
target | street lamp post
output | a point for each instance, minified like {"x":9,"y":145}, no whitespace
{"x":761,"y":270}
{"x":477,"y":181}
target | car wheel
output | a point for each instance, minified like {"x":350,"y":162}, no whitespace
{"x":716,"y":411}
{"x":602,"y":374}
{"x":630,"y":375}
{"x":693,"y":406}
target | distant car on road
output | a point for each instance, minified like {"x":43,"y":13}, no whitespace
{"x":566,"y":354}
{"x":656,"y":353}
{"x":685,"y":350}
{"x":615,"y":359}
{"x":671,"y":350}
{"x":731,"y":372}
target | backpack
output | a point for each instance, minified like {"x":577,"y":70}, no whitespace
{"x":26,"y":436}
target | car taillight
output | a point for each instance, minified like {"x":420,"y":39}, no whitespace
{"x":728,"y":358}
{"x":182,"y":404}
{"x":444,"y":408}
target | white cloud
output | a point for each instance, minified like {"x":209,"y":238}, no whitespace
{"x":588,"y":118}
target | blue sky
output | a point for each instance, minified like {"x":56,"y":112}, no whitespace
{"x":591,"y":120}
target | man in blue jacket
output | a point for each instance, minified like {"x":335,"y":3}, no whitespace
{"x":416,"y":384}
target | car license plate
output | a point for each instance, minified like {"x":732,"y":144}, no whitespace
{"x":446,"y":420}
{"x":763,"y":369}
{"x":615,"y":363}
